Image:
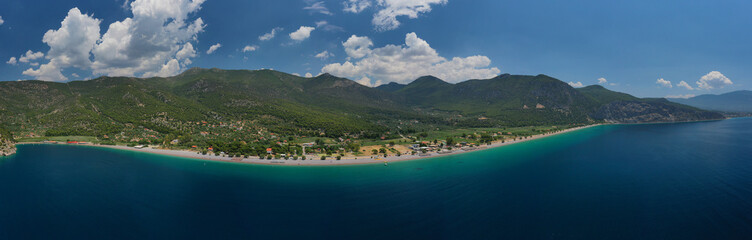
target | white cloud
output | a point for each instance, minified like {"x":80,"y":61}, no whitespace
{"x":270,"y":35}
{"x":171,"y":68}
{"x":308,"y":75}
{"x":576,"y":84}
{"x":150,"y":43}
{"x":317,"y":7}
{"x":685,"y":85}
{"x":213,"y":48}
{"x":46,"y":72}
{"x":126,"y":5}
{"x":681,"y":96}
{"x":602,"y":81}
{"x":70,"y":46}
{"x":357,"y":47}
{"x":713,"y":80}
{"x":146,"y":43}
{"x":302,"y":33}
{"x":1,"y":20}
{"x":385,"y":18}
{"x":356,"y":6}
{"x":250,"y":48}
{"x":407,"y":62}
{"x":296,"y":74}
{"x":187,"y":52}
{"x":75,"y":75}
{"x":329,"y":27}
{"x":664,"y":83}
{"x":12,"y":61}
{"x":365,"y":81}
{"x":30,"y":56}
{"x":324,"y":55}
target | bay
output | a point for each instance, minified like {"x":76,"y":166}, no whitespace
{"x":647,"y":181}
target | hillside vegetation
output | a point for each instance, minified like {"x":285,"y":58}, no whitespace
{"x":207,"y":107}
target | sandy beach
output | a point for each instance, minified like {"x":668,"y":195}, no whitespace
{"x":313,"y":160}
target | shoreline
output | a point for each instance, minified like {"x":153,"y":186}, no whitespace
{"x":317,"y":162}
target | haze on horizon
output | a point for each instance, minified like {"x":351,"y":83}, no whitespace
{"x":672,"y":48}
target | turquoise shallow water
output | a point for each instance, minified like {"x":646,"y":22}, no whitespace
{"x":652,"y":181}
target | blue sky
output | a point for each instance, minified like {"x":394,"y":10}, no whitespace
{"x":646,"y":48}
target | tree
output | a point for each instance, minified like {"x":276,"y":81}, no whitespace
{"x":450,"y":141}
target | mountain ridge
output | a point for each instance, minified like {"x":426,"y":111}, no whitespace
{"x":736,"y":101}
{"x":276,"y":102}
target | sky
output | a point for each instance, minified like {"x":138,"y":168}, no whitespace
{"x":646,"y":48}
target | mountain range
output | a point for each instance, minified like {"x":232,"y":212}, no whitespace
{"x":325,"y":105}
{"x":738,"y":101}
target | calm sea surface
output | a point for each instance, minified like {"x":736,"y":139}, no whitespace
{"x":653,"y":181}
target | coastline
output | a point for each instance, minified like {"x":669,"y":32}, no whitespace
{"x":317,"y":162}
{"x":9,"y":151}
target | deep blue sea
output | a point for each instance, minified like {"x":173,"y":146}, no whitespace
{"x":651,"y":181}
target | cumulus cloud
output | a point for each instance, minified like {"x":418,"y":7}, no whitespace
{"x":405,"y":63}
{"x":365,"y":81}
{"x":308,"y":75}
{"x":250,"y":48}
{"x":317,"y":7}
{"x":302,"y":33}
{"x":1,"y":20}
{"x":172,"y":68}
{"x":664,"y":83}
{"x":30,"y":56}
{"x":602,"y":81}
{"x":150,"y":43}
{"x":270,"y":35}
{"x":385,"y":18}
{"x":685,"y":96}
{"x":324,"y":55}
{"x":713,"y":80}
{"x":47,"y":72}
{"x":685,"y":85}
{"x":12,"y":61}
{"x":576,"y":84}
{"x":356,"y":6}
{"x":186,"y":53}
{"x":357,"y":47}
{"x":213,"y":48}
{"x":70,"y":46}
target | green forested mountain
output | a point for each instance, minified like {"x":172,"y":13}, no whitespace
{"x":621,"y":107}
{"x":267,"y":104}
